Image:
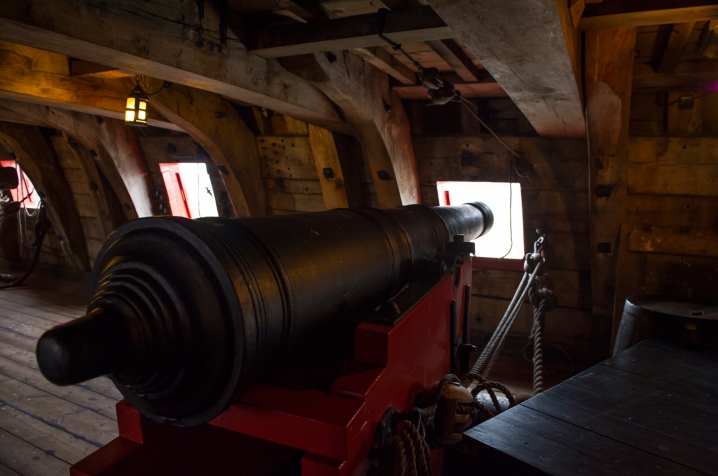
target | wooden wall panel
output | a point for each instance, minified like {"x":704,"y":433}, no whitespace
{"x":666,"y":210}
{"x":79,"y":184}
{"x":556,"y":193}
{"x":286,"y":158}
{"x":289,"y":171}
{"x":691,"y":241}
{"x":673,"y":166}
{"x":671,"y":214}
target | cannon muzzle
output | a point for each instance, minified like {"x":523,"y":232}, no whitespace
{"x":186,"y":314}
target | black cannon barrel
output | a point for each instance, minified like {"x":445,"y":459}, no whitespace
{"x":185,"y":314}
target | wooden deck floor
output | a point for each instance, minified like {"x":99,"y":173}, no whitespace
{"x":44,"y":428}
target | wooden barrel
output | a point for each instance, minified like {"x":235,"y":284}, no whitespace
{"x":688,"y":323}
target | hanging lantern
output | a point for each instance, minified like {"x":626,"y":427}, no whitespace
{"x":136,"y":109}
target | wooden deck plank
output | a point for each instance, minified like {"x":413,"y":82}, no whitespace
{"x":702,"y":354}
{"x":53,"y":317}
{"x":603,"y":450}
{"x":44,"y":295}
{"x":680,"y":369}
{"x":5,"y":471}
{"x":52,"y":440}
{"x":585,"y":411}
{"x":649,"y":410}
{"x":28,"y":319}
{"x":45,"y":428}
{"x":28,"y":460}
{"x":72,"y":393}
{"x":17,"y":339}
{"x":536,"y":451}
{"x":20,"y":328}
{"x":100,"y":385}
{"x":80,"y":422}
{"x":32,"y":301}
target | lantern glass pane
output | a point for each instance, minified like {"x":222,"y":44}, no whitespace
{"x":141,"y":115}
{"x":143,"y":104}
{"x":130,"y":103}
{"x":129,"y":116}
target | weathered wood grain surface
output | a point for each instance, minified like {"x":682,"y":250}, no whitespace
{"x":649,"y":410}
{"x":45,"y":428}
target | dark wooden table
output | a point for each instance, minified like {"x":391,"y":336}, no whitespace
{"x":650,"y":410}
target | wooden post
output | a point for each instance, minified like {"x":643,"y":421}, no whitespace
{"x":115,"y":148}
{"x":523,"y":45}
{"x":329,"y":168}
{"x":39,"y":161}
{"x":98,"y":194}
{"x":608,"y":75}
{"x":376,"y":116}
{"x":214,"y":124}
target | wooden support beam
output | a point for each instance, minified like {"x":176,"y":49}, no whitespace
{"x":7,"y":115}
{"x":387,"y":62}
{"x":377,"y":117}
{"x":329,"y":169}
{"x":112,"y":145}
{"x":533,"y":64}
{"x":608,"y":74}
{"x":674,"y":240}
{"x":214,"y":124}
{"x":617,"y":14}
{"x":688,"y":75}
{"x":459,"y":61}
{"x":167,"y":40}
{"x":38,"y":160}
{"x":40,"y":77}
{"x":674,"y":49}
{"x":304,"y":10}
{"x":417,"y":24}
{"x":88,"y":69}
{"x":489,"y":89}
{"x":99,"y":196}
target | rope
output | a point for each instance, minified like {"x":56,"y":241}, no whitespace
{"x":539,"y":319}
{"x":41,"y":228}
{"x":409,"y":453}
{"x":492,"y":350}
{"x":502,"y":341}
{"x":543,"y":301}
{"x":412,"y":455}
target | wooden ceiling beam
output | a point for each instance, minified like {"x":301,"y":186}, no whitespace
{"x":387,"y":62}
{"x":459,"y":61}
{"x":687,"y":76}
{"x":674,"y":49}
{"x":114,"y":147}
{"x":522,"y":45}
{"x":618,"y":14}
{"x":39,"y":160}
{"x":489,"y":89}
{"x":377,"y":117}
{"x":166,"y":40}
{"x":401,"y":26}
{"x":6,"y":115}
{"x":39,"y":77}
{"x":87,"y":69}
